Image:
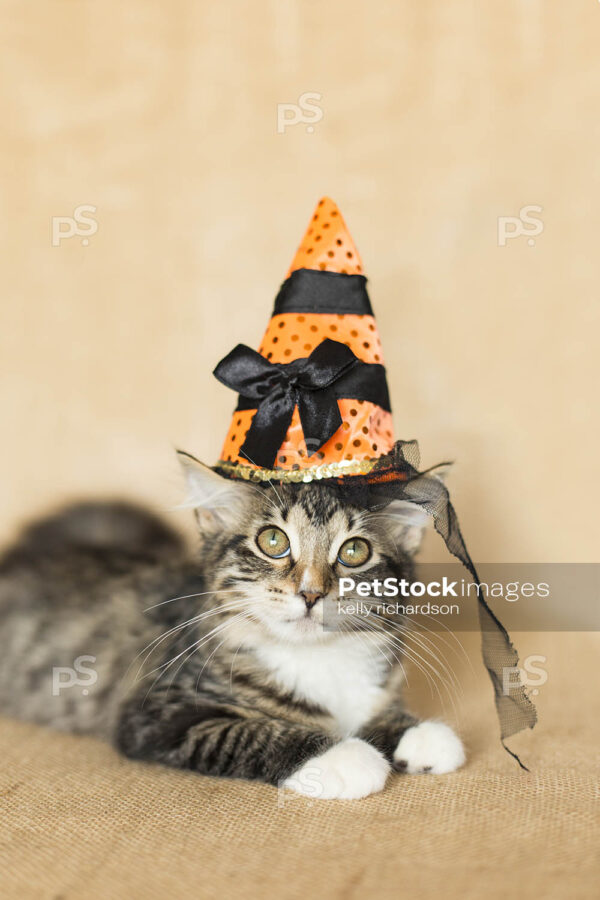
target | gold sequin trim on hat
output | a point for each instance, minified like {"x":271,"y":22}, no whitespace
{"x":316,"y":473}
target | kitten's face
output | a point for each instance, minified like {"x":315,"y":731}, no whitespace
{"x":290,"y":557}
{"x":285,"y":549}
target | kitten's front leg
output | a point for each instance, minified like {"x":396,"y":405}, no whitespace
{"x":414,"y":747}
{"x":230,"y":742}
{"x":216,"y":740}
{"x":386,"y":728}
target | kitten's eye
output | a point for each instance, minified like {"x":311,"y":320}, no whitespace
{"x":274,"y":542}
{"x":354,"y":552}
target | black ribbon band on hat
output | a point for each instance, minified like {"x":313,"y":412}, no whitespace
{"x":312,"y":291}
{"x":314,"y":384}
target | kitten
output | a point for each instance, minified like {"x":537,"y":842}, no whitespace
{"x":220,"y":661}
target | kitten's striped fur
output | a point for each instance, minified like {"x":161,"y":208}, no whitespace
{"x":236,"y":677}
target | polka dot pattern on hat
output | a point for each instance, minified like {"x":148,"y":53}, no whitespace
{"x":293,"y":336}
{"x":327,"y":245}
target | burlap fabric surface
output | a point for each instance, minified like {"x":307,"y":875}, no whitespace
{"x":77,"y":820}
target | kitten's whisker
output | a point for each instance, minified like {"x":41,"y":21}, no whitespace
{"x":206,"y":638}
{"x":196,"y":647}
{"x":231,"y":667}
{"x":281,"y":507}
{"x":425,"y":642}
{"x":166,"y":665}
{"x":439,"y":658}
{"x":381,"y":633}
{"x":456,"y":638}
{"x":266,"y":497}
{"x":206,"y":662}
{"x":231,"y":604}
{"x":410,"y":655}
{"x":366,"y":634}
{"x":417,"y":660}
{"x":409,"y":634}
{"x":155,"y":643}
{"x":361,"y":636}
{"x":193,"y":647}
{"x":448,"y":676}
{"x":186,"y":597}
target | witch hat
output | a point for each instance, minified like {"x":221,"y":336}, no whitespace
{"x":314,"y":405}
{"x":314,"y":400}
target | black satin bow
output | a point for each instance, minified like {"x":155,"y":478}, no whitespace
{"x":313,"y":384}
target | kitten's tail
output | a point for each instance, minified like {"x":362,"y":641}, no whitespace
{"x":102,"y":526}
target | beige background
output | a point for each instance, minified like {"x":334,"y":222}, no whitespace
{"x":438,"y":117}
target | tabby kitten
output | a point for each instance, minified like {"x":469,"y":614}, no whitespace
{"x":219,"y":661}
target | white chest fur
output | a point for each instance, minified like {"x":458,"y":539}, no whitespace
{"x":343,"y":677}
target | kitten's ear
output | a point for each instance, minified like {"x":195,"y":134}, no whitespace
{"x":409,"y":520}
{"x":442,"y":471}
{"x":217,"y":502}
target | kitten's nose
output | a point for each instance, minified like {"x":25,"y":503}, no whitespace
{"x":310,"y":598}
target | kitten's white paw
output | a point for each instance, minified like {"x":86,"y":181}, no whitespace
{"x":347,"y":771}
{"x":430,"y":747}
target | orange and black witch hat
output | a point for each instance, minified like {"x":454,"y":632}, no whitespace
{"x":314,"y":405}
{"x":313,"y":400}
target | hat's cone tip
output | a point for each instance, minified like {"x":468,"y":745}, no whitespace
{"x":327,"y":245}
